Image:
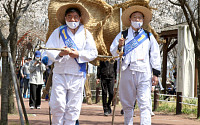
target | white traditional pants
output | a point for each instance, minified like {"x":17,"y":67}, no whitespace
{"x":135,"y":85}
{"x":66,"y":98}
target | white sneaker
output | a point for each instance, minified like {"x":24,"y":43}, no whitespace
{"x":31,"y":107}
{"x":152,"y":114}
{"x":38,"y":107}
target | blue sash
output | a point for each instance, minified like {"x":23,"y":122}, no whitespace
{"x":70,"y":43}
{"x":135,"y":42}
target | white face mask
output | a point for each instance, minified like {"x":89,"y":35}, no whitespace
{"x":136,"y":25}
{"x":37,"y":58}
{"x":73,"y":25}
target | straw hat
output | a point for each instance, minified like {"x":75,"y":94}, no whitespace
{"x":60,"y":14}
{"x":145,"y":11}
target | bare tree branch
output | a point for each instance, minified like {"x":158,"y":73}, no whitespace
{"x":188,"y":21}
{"x":172,"y":46}
{"x":192,"y":17}
{"x":20,"y":4}
{"x":26,"y":7}
{"x":36,"y":1}
{"x":9,"y":5}
{"x":15,"y":8}
{"x":174,"y":3}
{"x":198,"y":12}
{"x":17,"y":19}
{"x":5,"y":8}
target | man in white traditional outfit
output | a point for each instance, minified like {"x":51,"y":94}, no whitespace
{"x":69,"y":71}
{"x":141,"y":57}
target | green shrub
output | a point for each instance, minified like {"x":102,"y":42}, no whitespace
{"x":189,"y":109}
{"x":166,"y":107}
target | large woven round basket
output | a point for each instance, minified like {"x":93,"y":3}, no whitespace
{"x":112,"y":26}
{"x":99,"y":12}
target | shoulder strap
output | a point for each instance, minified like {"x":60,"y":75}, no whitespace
{"x":148,"y":34}
{"x":125,"y":33}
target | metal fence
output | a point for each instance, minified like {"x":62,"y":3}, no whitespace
{"x":178,"y":101}
{"x":97,"y":93}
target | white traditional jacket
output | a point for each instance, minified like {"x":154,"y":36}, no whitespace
{"x":143,"y":58}
{"x":86,"y":49}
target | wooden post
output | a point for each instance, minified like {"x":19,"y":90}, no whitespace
{"x":198,"y":108}
{"x":164,"y":71}
{"x":156,"y":102}
{"x":97,"y":94}
{"x":178,"y":104}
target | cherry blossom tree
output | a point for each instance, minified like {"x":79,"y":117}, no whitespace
{"x":11,"y":13}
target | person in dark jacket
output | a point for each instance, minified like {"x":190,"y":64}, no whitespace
{"x":107,"y":73}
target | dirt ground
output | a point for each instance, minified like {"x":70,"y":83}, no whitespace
{"x":93,"y":115}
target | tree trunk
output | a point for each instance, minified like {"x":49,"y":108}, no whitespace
{"x":4,"y":87}
{"x":197,"y":54}
{"x":11,"y":102}
{"x":198,"y":65}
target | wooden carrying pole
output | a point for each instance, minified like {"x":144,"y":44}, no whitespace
{"x":109,"y":58}
{"x":119,"y":75}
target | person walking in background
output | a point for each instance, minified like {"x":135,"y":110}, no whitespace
{"x":37,"y":69}
{"x":25,"y":73}
{"x":21,"y":78}
{"x":45,"y":61}
{"x":17,"y":71}
{"x":69,"y":73}
{"x":174,"y":83}
{"x":106,"y":74}
{"x":141,"y":57}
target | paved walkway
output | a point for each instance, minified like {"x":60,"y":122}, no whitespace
{"x":93,"y":115}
